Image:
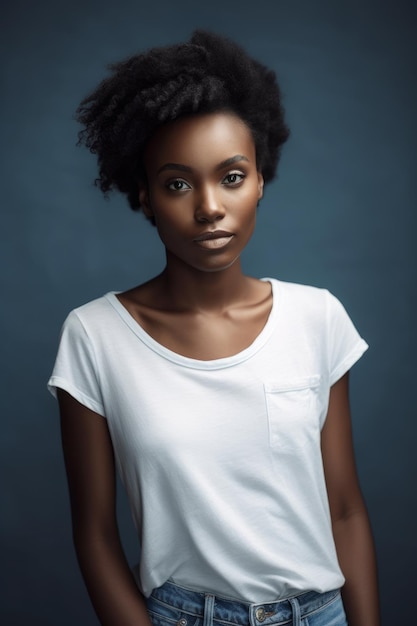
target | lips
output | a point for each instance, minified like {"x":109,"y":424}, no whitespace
{"x":213,"y":239}
{"x":213,"y":234}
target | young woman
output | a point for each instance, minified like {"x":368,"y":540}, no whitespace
{"x":221,"y":399}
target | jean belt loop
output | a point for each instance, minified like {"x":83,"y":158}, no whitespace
{"x":296,"y":613}
{"x":208,"y":609}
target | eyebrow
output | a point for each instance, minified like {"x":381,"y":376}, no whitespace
{"x":185,"y":168}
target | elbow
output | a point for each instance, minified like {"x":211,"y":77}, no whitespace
{"x":92,"y":535}
{"x":347,"y":508}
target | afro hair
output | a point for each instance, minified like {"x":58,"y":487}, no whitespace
{"x":209,"y":73}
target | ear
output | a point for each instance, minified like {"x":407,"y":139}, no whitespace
{"x":260,"y":185}
{"x":144,"y":199}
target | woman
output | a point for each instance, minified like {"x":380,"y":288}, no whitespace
{"x":221,"y":399}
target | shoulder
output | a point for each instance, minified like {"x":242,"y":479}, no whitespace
{"x":299,"y":290}
{"x":307,"y":304}
{"x":93,"y":315}
{"x":315,"y":315}
{"x":302,"y":297}
{"x":94,"y":308}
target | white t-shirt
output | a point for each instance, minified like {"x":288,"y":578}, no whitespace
{"x":220,"y":459}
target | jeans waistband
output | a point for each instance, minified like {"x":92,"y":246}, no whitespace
{"x":213,"y":607}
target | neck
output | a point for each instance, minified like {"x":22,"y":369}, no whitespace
{"x":186,"y":288}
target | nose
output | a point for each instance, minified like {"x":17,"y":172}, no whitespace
{"x":209,"y":207}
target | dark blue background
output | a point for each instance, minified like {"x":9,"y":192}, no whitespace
{"x":341,"y":215}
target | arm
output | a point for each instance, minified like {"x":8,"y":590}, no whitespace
{"x":351,"y":529}
{"x":89,"y":462}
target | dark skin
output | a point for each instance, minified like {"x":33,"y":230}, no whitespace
{"x":204,"y":307}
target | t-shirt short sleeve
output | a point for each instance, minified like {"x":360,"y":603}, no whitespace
{"x":75,"y":368}
{"x":345,"y":345}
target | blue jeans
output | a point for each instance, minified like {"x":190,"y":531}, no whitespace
{"x":172,"y":605}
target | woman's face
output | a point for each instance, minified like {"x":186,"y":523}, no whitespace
{"x":202,"y":189}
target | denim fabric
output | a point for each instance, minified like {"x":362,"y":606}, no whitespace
{"x":172,"y":605}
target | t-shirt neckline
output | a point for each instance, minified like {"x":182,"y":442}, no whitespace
{"x":185,"y":361}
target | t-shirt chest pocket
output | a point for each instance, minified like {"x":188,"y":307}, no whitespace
{"x":293,"y":412}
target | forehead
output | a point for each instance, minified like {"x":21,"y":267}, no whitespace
{"x":200,"y":141}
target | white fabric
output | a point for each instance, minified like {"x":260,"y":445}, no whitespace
{"x":220,"y":459}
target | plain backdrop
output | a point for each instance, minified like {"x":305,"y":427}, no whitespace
{"x":340,"y":215}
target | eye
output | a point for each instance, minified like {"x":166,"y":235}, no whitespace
{"x":233,"y":179}
{"x":178,"y":185}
